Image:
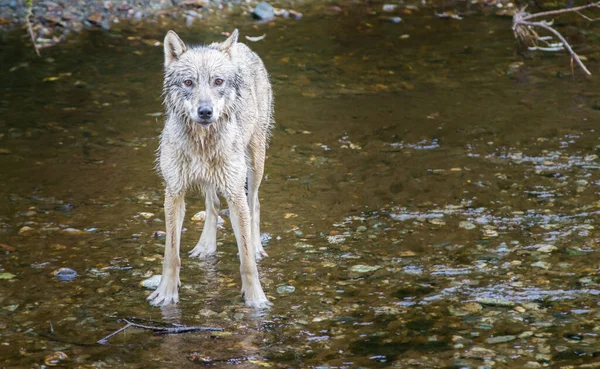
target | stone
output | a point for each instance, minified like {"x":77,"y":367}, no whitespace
{"x":546,"y":248}
{"x":24,"y":230}
{"x":263,"y":11}
{"x":466,"y":225}
{"x":152,"y":282}
{"x":364,"y":268}
{"x":479,"y":353}
{"x":65,"y":274}
{"x":500,"y":339}
{"x":56,"y":358}
{"x":541,"y":264}
{"x":285,"y":289}
{"x":491,"y":301}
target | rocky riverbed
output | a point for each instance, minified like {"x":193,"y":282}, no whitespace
{"x":52,"y":21}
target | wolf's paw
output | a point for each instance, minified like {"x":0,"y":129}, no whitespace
{"x":203,"y":252}
{"x":165,"y":294}
{"x":256,"y":299}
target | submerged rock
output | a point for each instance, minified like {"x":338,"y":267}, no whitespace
{"x":467,"y":225}
{"x":24,"y":230}
{"x":546,"y":248}
{"x":65,"y":274}
{"x":285,"y":289}
{"x":500,"y":339}
{"x":152,"y":282}
{"x":263,"y":11}
{"x":73,"y":231}
{"x":541,"y":264}
{"x":479,"y":353}
{"x":364,"y":268}
{"x":491,"y":301}
{"x":56,"y":358}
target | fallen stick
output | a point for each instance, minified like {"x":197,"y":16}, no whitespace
{"x":524,"y":29}
{"x":30,"y":27}
{"x":175,"y":329}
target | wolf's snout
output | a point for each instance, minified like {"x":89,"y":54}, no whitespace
{"x":205,"y":112}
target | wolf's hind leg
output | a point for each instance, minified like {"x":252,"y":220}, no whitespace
{"x":255,"y":175}
{"x":207,"y":245}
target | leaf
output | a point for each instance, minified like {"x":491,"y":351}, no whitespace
{"x":7,"y":247}
{"x":7,"y":276}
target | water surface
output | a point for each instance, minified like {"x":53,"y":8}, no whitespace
{"x":414,"y":188}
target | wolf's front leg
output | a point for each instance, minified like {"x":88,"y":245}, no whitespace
{"x":207,"y":245}
{"x":252,"y":291}
{"x":166,"y":293}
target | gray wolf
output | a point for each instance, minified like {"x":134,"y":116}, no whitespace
{"x":219,"y":112}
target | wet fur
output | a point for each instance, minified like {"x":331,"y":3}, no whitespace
{"x":217,"y":158}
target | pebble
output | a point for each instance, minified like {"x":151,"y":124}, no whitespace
{"x":263,"y":11}
{"x":201,"y":217}
{"x":386,"y":310}
{"x":208,"y":313}
{"x":395,"y":20}
{"x":491,"y":301}
{"x":147,"y":215}
{"x":479,"y":353}
{"x":285,"y":289}
{"x":73,"y":231}
{"x":532,"y":365}
{"x":65,"y":274}
{"x":336,"y":239}
{"x":56,"y":358}
{"x":490,"y":233}
{"x":472,"y":307}
{"x":546,"y":248}
{"x":295,"y":15}
{"x":160,"y":235}
{"x":389,"y":7}
{"x":152,"y":282}
{"x":361,"y":229}
{"x":24,"y":230}
{"x":526,"y":334}
{"x":364,"y":268}
{"x":466,"y":225}
{"x":500,"y":339}
{"x":541,"y":264}
{"x":238,"y":316}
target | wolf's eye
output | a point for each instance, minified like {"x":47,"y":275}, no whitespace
{"x":188,"y":82}
{"x":218,"y":81}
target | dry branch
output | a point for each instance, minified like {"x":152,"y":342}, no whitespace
{"x":175,"y":329}
{"x":30,"y":27}
{"x":525,"y":30}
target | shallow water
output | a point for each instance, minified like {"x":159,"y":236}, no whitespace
{"x":413,"y":187}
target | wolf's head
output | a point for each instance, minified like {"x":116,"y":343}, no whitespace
{"x":201,"y":82}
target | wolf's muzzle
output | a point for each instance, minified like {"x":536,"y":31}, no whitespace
{"x":205,"y":112}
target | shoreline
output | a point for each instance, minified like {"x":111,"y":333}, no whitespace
{"x":52,"y":22}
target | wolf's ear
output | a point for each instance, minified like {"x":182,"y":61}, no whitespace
{"x":227,"y":45}
{"x":174,"y":47}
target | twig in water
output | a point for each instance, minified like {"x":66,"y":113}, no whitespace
{"x":525,"y":31}
{"x":175,"y":329}
{"x":30,"y":28}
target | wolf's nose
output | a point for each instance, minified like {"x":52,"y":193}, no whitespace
{"x":205,"y":112}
